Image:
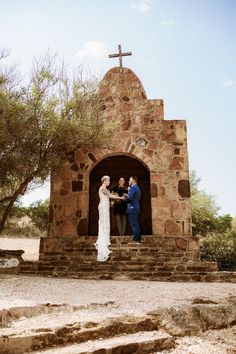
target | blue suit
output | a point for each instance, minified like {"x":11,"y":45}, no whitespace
{"x":133,"y":210}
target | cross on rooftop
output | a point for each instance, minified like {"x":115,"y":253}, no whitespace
{"x":119,"y":55}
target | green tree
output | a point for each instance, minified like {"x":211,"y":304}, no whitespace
{"x":220,"y":248}
{"x":224,"y":223}
{"x":38,"y":213}
{"x":205,"y":210}
{"x":234,"y":224}
{"x":204,"y":213}
{"x":41,"y":122}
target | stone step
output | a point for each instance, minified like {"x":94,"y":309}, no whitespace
{"x":135,"y":250}
{"x":154,"y":259}
{"x":48,"y":327}
{"x":122,"y":263}
{"x":71,"y":328}
{"x":110,"y":271}
{"x":147,"y":239}
{"x":150,"y":266}
{"x":197,"y":271}
{"x":139,"y":343}
{"x":209,"y":277}
{"x":119,"y":258}
{"x":150,"y":241}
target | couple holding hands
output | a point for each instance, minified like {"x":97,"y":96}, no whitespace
{"x":131,"y":207}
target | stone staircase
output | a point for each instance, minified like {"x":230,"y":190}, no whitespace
{"x":154,"y":259}
{"x":67,"y":329}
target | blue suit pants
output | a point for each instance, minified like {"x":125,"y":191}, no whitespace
{"x":134,"y":224}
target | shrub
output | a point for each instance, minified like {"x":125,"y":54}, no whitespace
{"x":21,"y":227}
{"x":220,"y":248}
{"x":38,"y":213}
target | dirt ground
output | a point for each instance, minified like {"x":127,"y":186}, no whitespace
{"x":29,"y":245}
{"x":132,"y":297}
{"x":102,"y":300}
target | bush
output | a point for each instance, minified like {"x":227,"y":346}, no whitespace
{"x":31,"y":221}
{"x":205,"y":217}
{"x":21,"y":227}
{"x":220,"y":248}
{"x":38,"y":213}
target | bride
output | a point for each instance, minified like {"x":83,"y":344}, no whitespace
{"x":103,"y":240}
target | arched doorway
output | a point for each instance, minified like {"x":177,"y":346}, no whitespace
{"x":115,"y":167}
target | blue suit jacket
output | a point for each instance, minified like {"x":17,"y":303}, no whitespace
{"x":133,"y":199}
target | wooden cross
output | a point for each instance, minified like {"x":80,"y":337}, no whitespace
{"x":120,"y":55}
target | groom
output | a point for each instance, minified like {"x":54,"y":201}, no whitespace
{"x":133,"y":208}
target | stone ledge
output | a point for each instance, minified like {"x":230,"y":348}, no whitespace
{"x":110,"y":271}
{"x":10,"y":260}
{"x":157,"y":329}
{"x":11,"y":253}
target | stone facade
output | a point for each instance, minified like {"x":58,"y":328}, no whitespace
{"x":155,"y":147}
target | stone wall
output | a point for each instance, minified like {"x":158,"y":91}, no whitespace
{"x":143,"y":134}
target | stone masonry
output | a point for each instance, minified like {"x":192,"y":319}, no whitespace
{"x":158,"y":145}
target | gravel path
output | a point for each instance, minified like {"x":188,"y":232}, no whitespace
{"x":134,"y":297}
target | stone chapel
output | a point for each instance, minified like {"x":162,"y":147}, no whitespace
{"x":146,"y":145}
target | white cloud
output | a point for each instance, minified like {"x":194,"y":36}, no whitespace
{"x":142,"y":5}
{"x":92,"y":49}
{"x":227,"y":83}
{"x":169,"y":23}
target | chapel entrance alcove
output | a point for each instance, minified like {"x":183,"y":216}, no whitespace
{"x":115,"y":167}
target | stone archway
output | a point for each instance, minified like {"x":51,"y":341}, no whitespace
{"x":115,"y":167}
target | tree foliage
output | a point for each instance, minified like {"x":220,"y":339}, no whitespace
{"x":40,"y":122}
{"x":220,"y":248}
{"x":38,"y":213}
{"x":28,"y":221}
{"x":234,"y":224}
{"x":205,"y":210}
{"x":219,"y":241}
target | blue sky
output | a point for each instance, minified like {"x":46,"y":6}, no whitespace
{"x":183,"y":51}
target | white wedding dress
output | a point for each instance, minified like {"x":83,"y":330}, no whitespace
{"x":103,"y":240}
